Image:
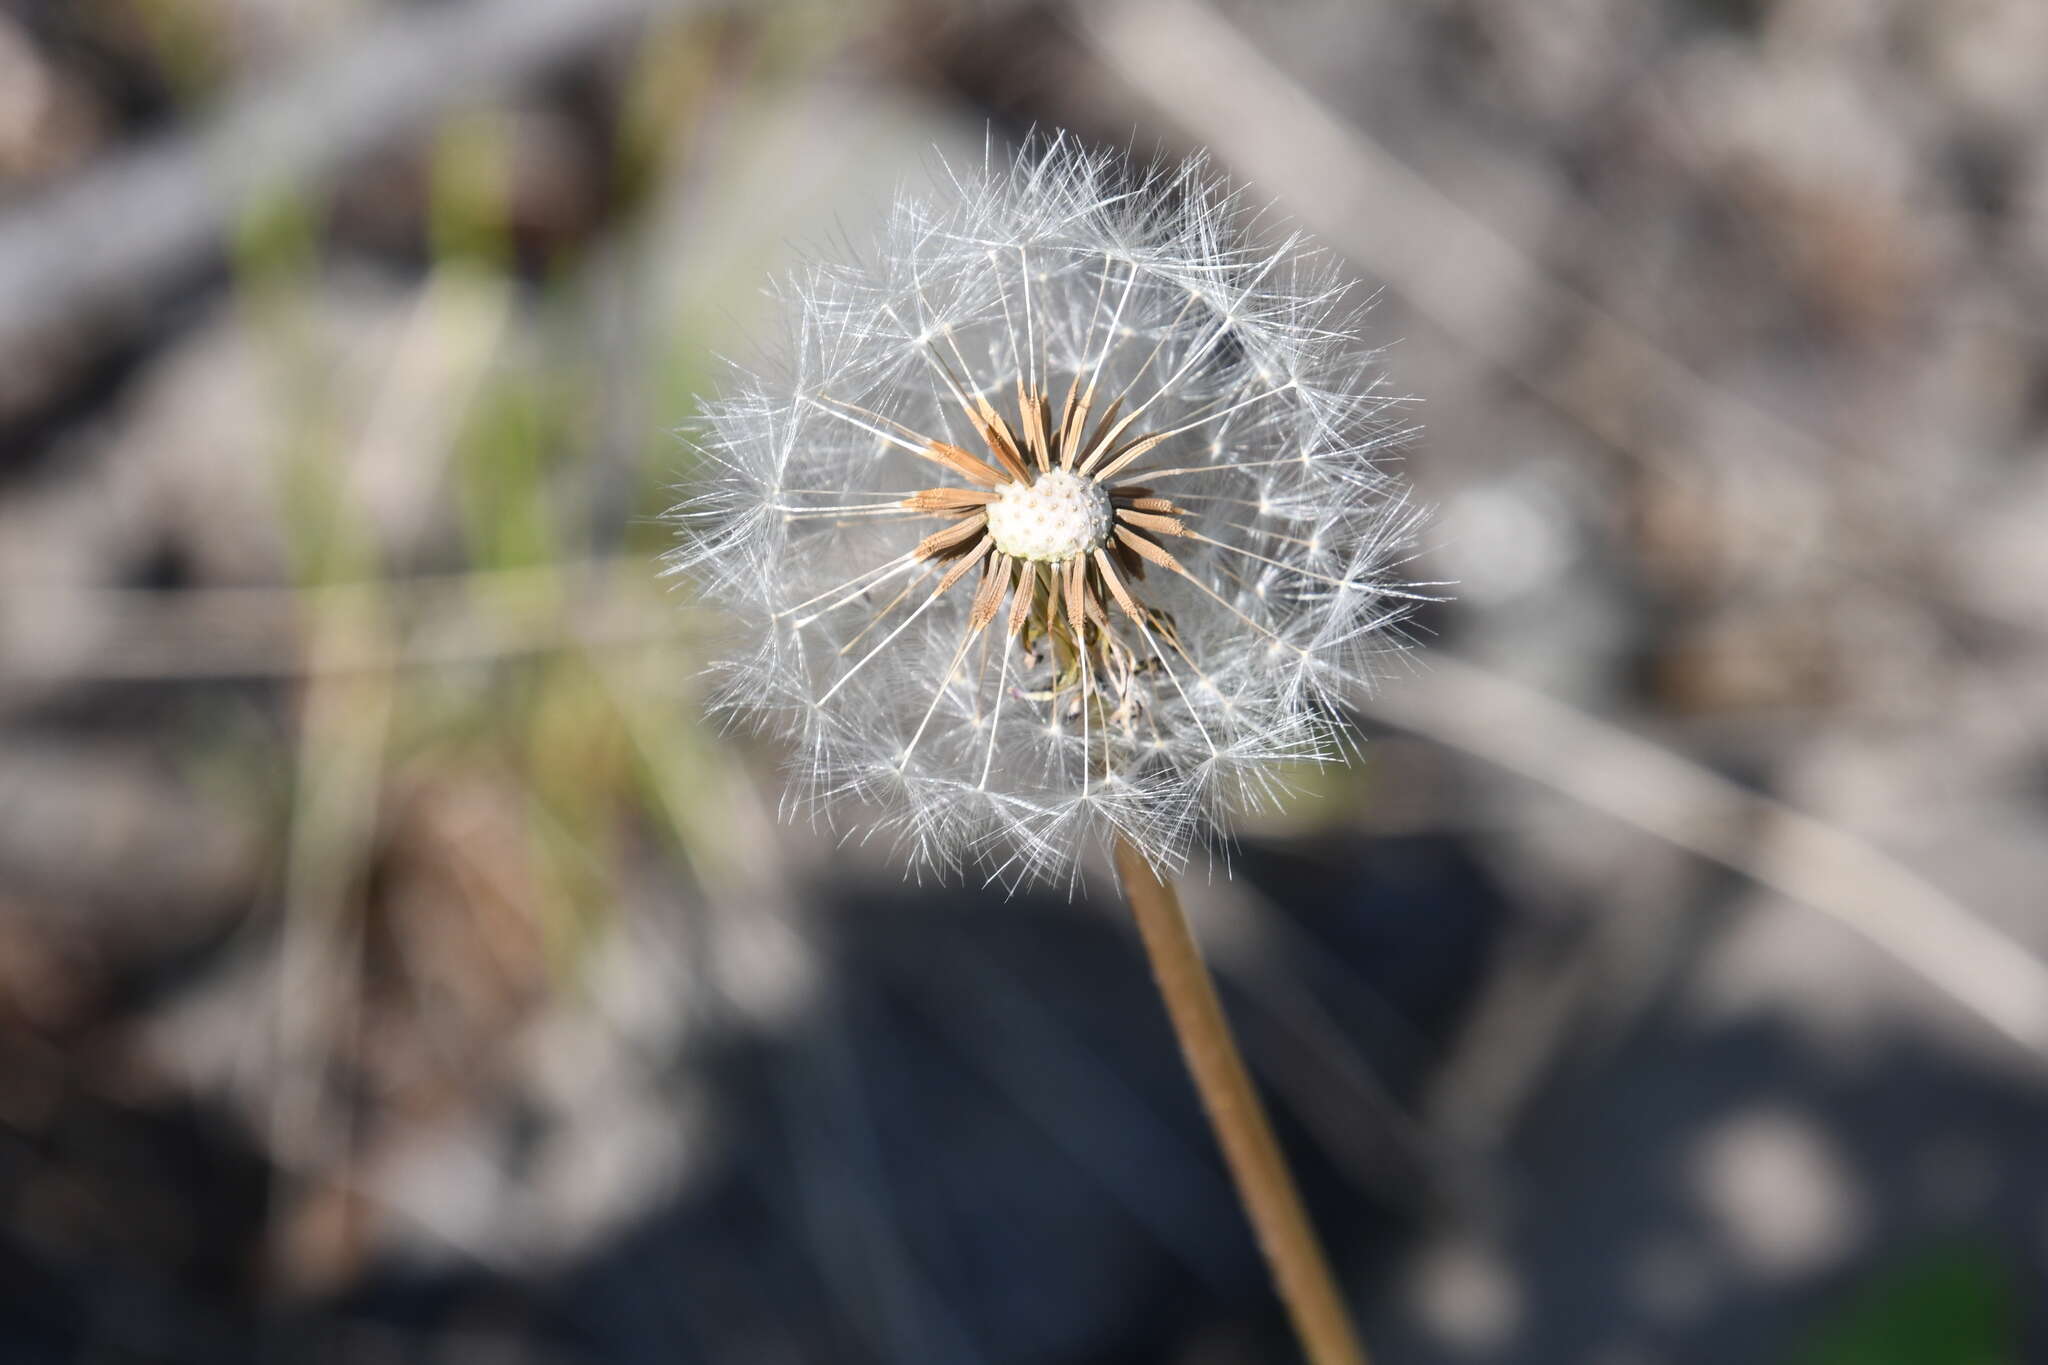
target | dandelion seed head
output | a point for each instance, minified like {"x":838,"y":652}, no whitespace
{"x":1018,"y":519}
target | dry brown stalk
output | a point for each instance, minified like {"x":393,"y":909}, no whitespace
{"x":1300,"y":1270}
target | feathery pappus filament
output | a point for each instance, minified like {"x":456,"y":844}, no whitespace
{"x":1060,"y":516}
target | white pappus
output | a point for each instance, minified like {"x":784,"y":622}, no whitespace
{"x":1060,"y":517}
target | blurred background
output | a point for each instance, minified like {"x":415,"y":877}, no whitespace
{"x":393,"y":968}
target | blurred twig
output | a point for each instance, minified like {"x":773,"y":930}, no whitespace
{"x":60,"y":635}
{"x":131,"y":228}
{"x":1669,"y":795}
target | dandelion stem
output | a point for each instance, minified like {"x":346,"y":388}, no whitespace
{"x":1300,"y":1270}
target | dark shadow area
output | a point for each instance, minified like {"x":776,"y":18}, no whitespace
{"x":979,"y":1147}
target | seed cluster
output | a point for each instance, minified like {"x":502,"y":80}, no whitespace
{"x":1059,"y":515}
{"x":1051,"y":519}
{"x":1061,"y":543}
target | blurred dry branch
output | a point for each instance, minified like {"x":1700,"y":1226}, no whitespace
{"x":60,"y":635}
{"x":123,"y":233}
{"x":1664,"y":793}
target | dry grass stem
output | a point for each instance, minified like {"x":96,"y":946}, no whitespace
{"x":1301,"y":1272}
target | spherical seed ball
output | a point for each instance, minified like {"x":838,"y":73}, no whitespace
{"x":868,"y":505}
{"x":1052,"y":520}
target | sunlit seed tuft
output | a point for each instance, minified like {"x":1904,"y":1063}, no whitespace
{"x":1027,"y":508}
